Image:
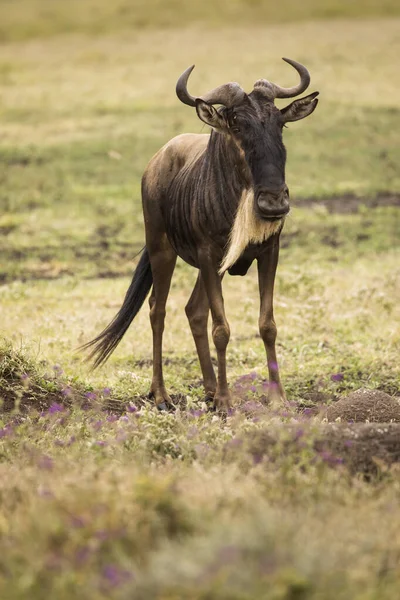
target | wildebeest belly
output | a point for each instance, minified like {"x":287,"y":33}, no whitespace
{"x":252,"y":252}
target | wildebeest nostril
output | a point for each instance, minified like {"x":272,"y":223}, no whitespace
{"x":273,"y":205}
{"x":273,"y":193}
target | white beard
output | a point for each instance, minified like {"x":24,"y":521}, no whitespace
{"x":247,"y":229}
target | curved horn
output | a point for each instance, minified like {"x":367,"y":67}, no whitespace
{"x":281,"y":92}
{"x":272,"y":90}
{"x":227,"y":94}
{"x":181,"y":88}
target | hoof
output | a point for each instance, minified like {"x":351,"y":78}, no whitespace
{"x":209,"y":399}
{"x":166,"y":407}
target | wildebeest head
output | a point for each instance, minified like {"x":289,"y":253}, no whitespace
{"x":255,"y":124}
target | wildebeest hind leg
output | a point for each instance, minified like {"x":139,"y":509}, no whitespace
{"x":197,"y":310}
{"x":162,"y":260}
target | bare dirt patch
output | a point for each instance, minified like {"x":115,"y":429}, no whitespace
{"x":350,"y":204}
{"x":364,"y":405}
{"x":106,"y":255}
{"x":366,"y":448}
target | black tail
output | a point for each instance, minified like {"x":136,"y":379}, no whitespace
{"x":106,"y":342}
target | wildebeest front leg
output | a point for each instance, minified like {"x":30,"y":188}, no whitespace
{"x":163,"y":260}
{"x":220,"y":326}
{"x":267,"y":264}
{"x":197,"y":310}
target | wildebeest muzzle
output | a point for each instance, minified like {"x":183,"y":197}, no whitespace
{"x":272,"y":205}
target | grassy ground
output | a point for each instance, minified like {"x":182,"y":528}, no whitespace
{"x":99,"y":505}
{"x":25,"y":19}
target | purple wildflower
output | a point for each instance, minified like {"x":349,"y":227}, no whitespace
{"x":67,"y":391}
{"x":251,"y":406}
{"x":299,"y":433}
{"x":77,"y":522}
{"x":103,"y":535}
{"x":55,"y":408}
{"x":5,"y":431}
{"x":131,"y":408}
{"x":25,"y":379}
{"x":257,"y":458}
{"x":91,"y":395}
{"x":82,"y":555}
{"x":46,"y":462}
{"x":235,"y":442}
{"x":337,"y":377}
{"x":196,"y":412}
{"x":115,"y":576}
{"x":284,"y":414}
{"x":101,"y":443}
{"x":112,"y":418}
{"x":202,"y":450}
{"x":330,"y":458}
{"x":106,"y":391}
{"x":248,"y":377}
{"x":45,"y":493}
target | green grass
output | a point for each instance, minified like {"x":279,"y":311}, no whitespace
{"x":135,"y":504}
{"x":82,"y":117}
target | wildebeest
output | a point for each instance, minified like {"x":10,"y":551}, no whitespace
{"x":218,"y":201}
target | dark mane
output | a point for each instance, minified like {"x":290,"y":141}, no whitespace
{"x":216,"y":173}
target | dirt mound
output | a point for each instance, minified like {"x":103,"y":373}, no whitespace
{"x":365,"y":405}
{"x":366,"y":448}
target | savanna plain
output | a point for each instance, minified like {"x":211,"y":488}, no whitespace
{"x":101,"y":496}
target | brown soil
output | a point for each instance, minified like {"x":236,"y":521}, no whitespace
{"x":111,"y":260}
{"x":366,"y":448}
{"x":364,"y":405}
{"x":349,"y":204}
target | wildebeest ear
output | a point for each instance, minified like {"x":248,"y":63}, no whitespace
{"x":208,"y":114}
{"x":300,"y":108}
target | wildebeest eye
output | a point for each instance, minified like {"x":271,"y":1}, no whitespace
{"x":234,"y":121}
